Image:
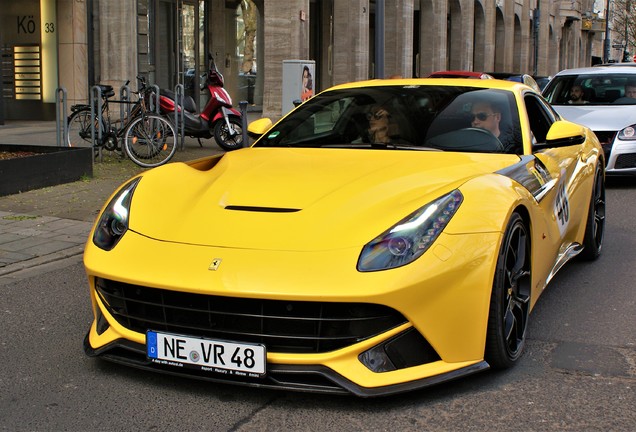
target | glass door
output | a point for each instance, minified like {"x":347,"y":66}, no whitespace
{"x":180,"y":42}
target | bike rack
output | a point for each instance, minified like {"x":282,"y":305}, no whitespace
{"x":154,"y":100}
{"x":96,"y":112}
{"x":124,"y":106}
{"x":179,"y":117}
{"x":61,"y":119}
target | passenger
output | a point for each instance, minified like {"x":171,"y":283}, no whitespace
{"x":486,"y":115}
{"x":381,"y":128}
{"x":630,"y":94}
{"x":379,"y":119}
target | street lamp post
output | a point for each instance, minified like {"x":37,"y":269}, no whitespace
{"x":625,"y":50}
{"x":379,"y":39}
{"x":606,"y":50}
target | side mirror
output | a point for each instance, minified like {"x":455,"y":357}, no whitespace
{"x":257,"y":128}
{"x":297,"y":102}
{"x":563,"y":133}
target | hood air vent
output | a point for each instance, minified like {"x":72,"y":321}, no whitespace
{"x":261,"y":209}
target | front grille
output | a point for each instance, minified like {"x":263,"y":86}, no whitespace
{"x":626,"y":161}
{"x":282,"y":326}
{"x":606,"y":139}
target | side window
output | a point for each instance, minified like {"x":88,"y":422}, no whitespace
{"x":540,"y":116}
{"x":322,"y":121}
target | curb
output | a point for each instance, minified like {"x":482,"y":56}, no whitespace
{"x":41,"y":260}
{"x":41,"y":265}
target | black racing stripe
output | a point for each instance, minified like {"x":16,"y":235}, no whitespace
{"x":530,"y":173}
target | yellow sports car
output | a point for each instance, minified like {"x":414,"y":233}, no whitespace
{"x":383,"y":236}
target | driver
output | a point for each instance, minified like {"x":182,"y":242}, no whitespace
{"x":486,"y":115}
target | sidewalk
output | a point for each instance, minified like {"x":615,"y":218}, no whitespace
{"x":44,"y":229}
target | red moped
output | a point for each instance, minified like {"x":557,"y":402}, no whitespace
{"x":218,"y":118}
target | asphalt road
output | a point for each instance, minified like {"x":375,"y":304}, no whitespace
{"x":578,"y":373}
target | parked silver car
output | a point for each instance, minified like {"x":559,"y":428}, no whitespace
{"x":606,"y":105}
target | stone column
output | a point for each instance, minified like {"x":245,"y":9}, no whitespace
{"x":286,"y":37}
{"x":433,"y":36}
{"x":72,"y":50}
{"x":398,"y":46}
{"x":547,"y":63}
{"x":467,"y":34}
{"x":351,"y":41}
{"x":490,"y":26}
{"x":118,"y":42}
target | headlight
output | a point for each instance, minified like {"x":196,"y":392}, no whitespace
{"x":113,"y":223}
{"x":411,"y":237}
{"x":629,"y":133}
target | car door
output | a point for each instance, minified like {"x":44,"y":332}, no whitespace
{"x":564,"y":172}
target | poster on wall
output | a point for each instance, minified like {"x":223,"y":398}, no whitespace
{"x":299,"y":82}
{"x":307,"y":89}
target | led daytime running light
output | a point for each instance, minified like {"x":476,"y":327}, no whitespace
{"x":410,"y":238}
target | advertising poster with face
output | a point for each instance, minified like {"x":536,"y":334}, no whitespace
{"x":307,"y":89}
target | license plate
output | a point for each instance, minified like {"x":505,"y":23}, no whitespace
{"x":224,"y":357}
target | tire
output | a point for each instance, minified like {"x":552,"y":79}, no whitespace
{"x":150,"y":141}
{"x":595,"y":224}
{"x":79,"y":129}
{"x":510,"y":298}
{"x":226,"y":140}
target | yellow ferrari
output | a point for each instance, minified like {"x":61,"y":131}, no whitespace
{"x":383,"y":236}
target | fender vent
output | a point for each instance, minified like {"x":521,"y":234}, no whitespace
{"x":262,"y":209}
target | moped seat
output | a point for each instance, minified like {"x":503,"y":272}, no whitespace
{"x":188,"y":102}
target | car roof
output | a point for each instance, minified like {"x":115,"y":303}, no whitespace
{"x":615,"y":64}
{"x":598,"y":70}
{"x":459,"y":74}
{"x":463,"y":82}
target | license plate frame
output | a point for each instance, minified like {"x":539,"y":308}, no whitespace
{"x":239,"y":359}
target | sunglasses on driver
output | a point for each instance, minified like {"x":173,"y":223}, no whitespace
{"x":481,"y":116}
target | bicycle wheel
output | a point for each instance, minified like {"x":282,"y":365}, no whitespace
{"x":150,"y":141}
{"x":79,"y":129}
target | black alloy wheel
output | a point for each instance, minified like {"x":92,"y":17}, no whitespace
{"x":226,"y":138}
{"x":510,"y":298}
{"x":595,"y":225}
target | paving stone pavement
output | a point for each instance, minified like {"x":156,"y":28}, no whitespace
{"x":29,"y":242}
{"x":45,"y":229}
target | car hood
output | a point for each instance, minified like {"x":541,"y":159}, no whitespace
{"x":599,"y":117}
{"x":297,"y":199}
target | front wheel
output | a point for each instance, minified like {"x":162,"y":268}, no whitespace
{"x":229,"y":138}
{"x":150,"y":141}
{"x":510,"y":297}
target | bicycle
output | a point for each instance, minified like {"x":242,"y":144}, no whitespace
{"x":149,"y":140}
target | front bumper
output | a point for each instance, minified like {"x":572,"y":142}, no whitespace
{"x":444,"y":299}
{"x":302,"y":378}
{"x":620,"y":156}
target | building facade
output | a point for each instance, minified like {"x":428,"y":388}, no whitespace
{"x":48,"y":45}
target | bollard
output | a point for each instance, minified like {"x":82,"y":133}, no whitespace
{"x":179,"y":115}
{"x":61,"y":119}
{"x":96,"y":112}
{"x":243,"y":106}
{"x":154,"y":100}
{"x":124,"y":107}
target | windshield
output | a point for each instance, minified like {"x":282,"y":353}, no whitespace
{"x":593,"y":89}
{"x":414,"y":117}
